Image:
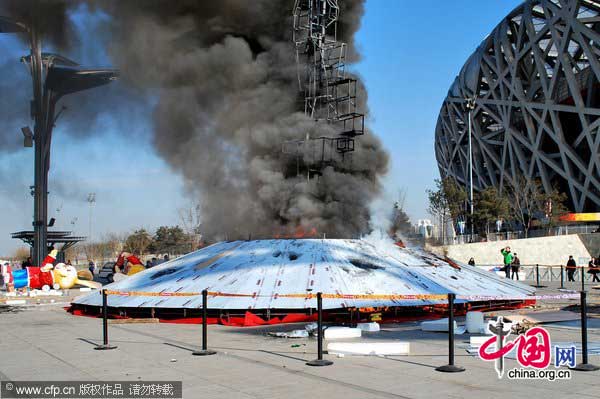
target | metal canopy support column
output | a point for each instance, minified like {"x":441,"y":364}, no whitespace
{"x":40,"y":191}
{"x":53,"y":76}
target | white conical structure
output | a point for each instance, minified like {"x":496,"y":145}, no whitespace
{"x":285,"y":274}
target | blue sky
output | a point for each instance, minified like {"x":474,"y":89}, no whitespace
{"x":411,"y":54}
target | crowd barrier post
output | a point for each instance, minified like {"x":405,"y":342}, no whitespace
{"x":562,"y":276}
{"x":584,"y":365}
{"x":319,"y":361}
{"x":105,"y":345}
{"x":450,"y":367}
{"x":204,"y":351}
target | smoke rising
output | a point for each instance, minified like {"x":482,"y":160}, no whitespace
{"x":225,"y":81}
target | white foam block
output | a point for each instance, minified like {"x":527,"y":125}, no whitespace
{"x":370,"y":327}
{"x":368,"y":348}
{"x":85,"y":289}
{"x":478,"y":340}
{"x":16,"y":302}
{"x":474,"y":322}
{"x":440,"y":325}
{"x":342,"y":332}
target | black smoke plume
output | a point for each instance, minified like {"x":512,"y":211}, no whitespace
{"x":224,"y":76}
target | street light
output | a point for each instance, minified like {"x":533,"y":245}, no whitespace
{"x":470,"y":107}
{"x":62,"y":77}
{"x":470,"y":103}
{"x":91,"y":199}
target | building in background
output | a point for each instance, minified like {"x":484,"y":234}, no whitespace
{"x":535,"y":83}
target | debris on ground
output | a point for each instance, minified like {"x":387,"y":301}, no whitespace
{"x":522,"y":326}
{"x":291,"y":334}
{"x":311,"y":328}
{"x":368,"y":327}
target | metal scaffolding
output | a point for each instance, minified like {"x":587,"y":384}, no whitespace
{"x":330,"y":93}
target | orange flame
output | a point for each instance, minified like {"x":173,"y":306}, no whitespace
{"x":297,"y":232}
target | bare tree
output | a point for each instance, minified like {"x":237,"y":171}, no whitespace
{"x":21,"y":253}
{"x":400,"y":226}
{"x":138,"y":242}
{"x":191,"y":221}
{"x":107,"y":248}
{"x":528,"y":200}
{"x":438,"y":207}
{"x":523,"y":194}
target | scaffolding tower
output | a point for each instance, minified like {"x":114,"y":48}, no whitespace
{"x":328,"y":90}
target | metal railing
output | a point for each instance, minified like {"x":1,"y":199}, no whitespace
{"x":548,"y":272}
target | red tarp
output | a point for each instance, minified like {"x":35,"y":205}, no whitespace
{"x":251,"y":320}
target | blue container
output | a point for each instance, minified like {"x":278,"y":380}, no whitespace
{"x":20,"y":278}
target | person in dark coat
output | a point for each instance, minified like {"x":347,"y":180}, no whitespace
{"x":514,"y":267}
{"x":593,"y":269}
{"x":571,"y":268}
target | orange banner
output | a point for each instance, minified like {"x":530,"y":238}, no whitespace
{"x":580,"y":217}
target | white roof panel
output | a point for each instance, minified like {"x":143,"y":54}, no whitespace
{"x":282,"y":274}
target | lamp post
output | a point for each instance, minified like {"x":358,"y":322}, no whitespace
{"x":470,"y":107}
{"x":53,"y":77}
{"x":91,"y":199}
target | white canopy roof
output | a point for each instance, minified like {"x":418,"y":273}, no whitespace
{"x":285,"y":274}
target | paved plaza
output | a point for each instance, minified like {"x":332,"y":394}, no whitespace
{"x":44,"y":342}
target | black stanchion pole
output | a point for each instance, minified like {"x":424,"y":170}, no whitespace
{"x":562,"y":277}
{"x":319,"y":361}
{"x":537,"y":277}
{"x":450,"y":367}
{"x":584,"y":365}
{"x":582,"y":279}
{"x":204,"y":351}
{"x":105,"y":345}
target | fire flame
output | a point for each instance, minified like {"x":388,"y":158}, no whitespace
{"x":297,"y":232}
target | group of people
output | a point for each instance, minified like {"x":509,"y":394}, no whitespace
{"x":156,"y":261}
{"x":512,"y":263}
{"x":593,"y":268}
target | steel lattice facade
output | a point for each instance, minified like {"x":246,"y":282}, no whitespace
{"x":536,"y":84}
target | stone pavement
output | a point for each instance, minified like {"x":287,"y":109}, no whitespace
{"x":46,"y":343}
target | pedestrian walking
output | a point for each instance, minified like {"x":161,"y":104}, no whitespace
{"x":571,"y":268}
{"x":515,"y":265}
{"x":27,"y":263}
{"x":91,"y":267}
{"x":508,"y":258}
{"x":593,"y":269}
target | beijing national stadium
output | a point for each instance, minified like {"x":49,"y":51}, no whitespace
{"x":532,"y":89}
